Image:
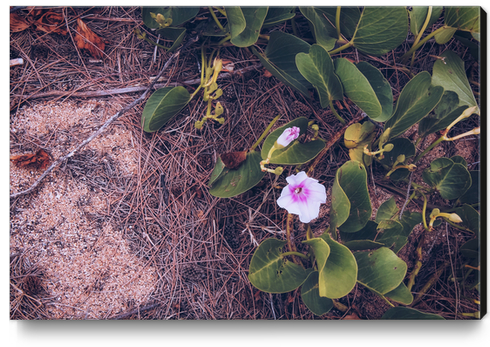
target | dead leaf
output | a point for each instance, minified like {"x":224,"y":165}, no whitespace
{"x":352,"y":316}
{"x":87,"y":39}
{"x":38,"y":160}
{"x":51,"y":22}
{"x":18,"y":23}
{"x":267,"y":74}
{"x":233,"y":160}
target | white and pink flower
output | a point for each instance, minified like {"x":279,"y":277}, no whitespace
{"x":303,"y":196}
{"x":288,"y":136}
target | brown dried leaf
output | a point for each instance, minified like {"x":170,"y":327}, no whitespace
{"x":51,"y":22}
{"x":18,"y":23}
{"x":87,"y":39}
{"x":233,"y":160}
{"x":38,"y":160}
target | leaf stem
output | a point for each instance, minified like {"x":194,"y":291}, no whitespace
{"x":424,"y":40}
{"x":264,"y":133}
{"x":419,"y":36}
{"x":341,"y":48}
{"x":211,"y":11}
{"x":295,"y":253}
{"x":337,"y":22}
{"x":335,"y":112}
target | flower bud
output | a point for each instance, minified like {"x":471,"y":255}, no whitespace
{"x":278,"y":170}
{"x":287,"y":136}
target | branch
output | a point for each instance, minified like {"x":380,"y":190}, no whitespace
{"x":106,"y":124}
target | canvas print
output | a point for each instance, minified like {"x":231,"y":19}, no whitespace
{"x":246,"y":163}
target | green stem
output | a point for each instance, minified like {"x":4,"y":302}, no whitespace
{"x":335,"y":112}
{"x":428,"y":149}
{"x":419,"y":36}
{"x":222,"y":11}
{"x":424,"y":210}
{"x":295,"y":253}
{"x":226,"y":38}
{"x":211,"y":11}
{"x":341,"y":48}
{"x":337,"y":22}
{"x":264,"y":133}
{"x":424,"y":40}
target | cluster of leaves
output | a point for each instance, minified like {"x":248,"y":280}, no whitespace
{"x":367,"y":252}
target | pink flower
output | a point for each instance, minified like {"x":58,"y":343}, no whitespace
{"x":303,"y":196}
{"x":287,"y":136}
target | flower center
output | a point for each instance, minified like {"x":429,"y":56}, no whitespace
{"x":298,"y":190}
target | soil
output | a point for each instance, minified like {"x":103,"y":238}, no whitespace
{"x":126,"y":228}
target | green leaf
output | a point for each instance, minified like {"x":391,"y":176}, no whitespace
{"x":463,"y":18}
{"x":324,"y":33}
{"x":271,"y":272}
{"x":392,"y":235}
{"x":444,"y":114}
{"x":310,"y":294}
{"x":317,"y":68}
{"x":279,"y":59}
{"x":381,"y":270}
{"x":352,"y":179}
{"x":470,"y":217}
{"x":409,"y":221}
{"x":277,"y":15}
{"x":418,"y":15}
{"x":472,"y":195}
{"x":244,"y":36}
{"x":163,"y":105}
{"x":173,"y":34}
{"x":339,"y":212}
{"x":365,"y":86}
{"x":416,"y":100}
{"x":217,"y":171}
{"x":471,"y":249}
{"x":362,"y":239}
{"x":321,"y":249}
{"x":349,"y":17}
{"x":340,"y":271}
{"x":444,"y":35}
{"x":407,"y":313}
{"x":402,"y":146}
{"x":296,"y":153}
{"x":451,"y":75}
{"x":400,"y":294}
{"x":232,"y":182}
{"x":387,"y":210}
{"x":178,"y":14}
{"x":381,"y":29}
{"x":450,"y":179}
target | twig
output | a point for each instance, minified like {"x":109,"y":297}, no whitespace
{"x":135,"y":89}
{"x":105,"y":125}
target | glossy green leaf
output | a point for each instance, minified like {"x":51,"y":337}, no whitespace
{"x":340,"y":270}
{"x":451,"y":75}
{"x":444,"y":35}
{"x":416,"y":100}
{"x":362,"y":239}
{"x":407,"y":313}
{"x":271,"y":272}
{"x":217,"y":171}
{"x":387,"y":210}
{"x":365,"y":86}
{"x":472,"y":195}
{"x":444,"y":114}
{"x":232,"y":182}
{"x":381,"y":270}
{"x":351,"y":178}
{"x":340,"y":210}
{"x":317,"y":68}
{"x":471,"y":249}
{"x":349,"y":18}
{"x":176,"y":35}
{"x":179,"y":15}
{"x":381,"y":29}
{"x":400,"y":294}
{"x":296,"y":153}
{"x":163,"y":105}
{"x":324,"y":33}
{"x":418,"y":15}
{"x":277,"y":15}
{"x":279,"y":59}
{"x":244,"y":36}
{"x":311,"y":296}
{"x":321,"y":250}
{"x":450,"y":179}
{"x":402,"y":146}
{"x":409,"y":221}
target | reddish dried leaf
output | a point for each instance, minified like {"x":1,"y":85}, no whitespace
{"x":18,"y":23}
{"x":87,"y":39}
{"x":51,"y":22}
{"x":38,"y":160}
{"x":267,"y":74}
{"x":233,"y":160}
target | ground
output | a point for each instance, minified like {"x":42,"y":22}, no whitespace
{"x":126,"y":228}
